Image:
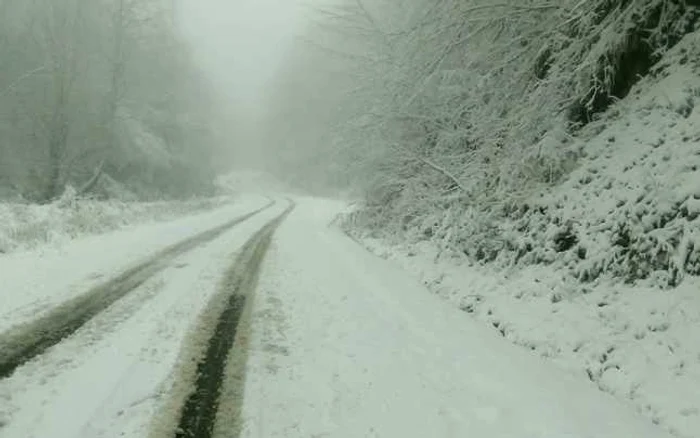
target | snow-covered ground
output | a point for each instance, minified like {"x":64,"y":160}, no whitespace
{"x":33,"y":281}
{"x":347,"y":345}
{"x":340,"y":344}
{"x":638,"y":343}
{"x":597,"y":270}
{"x":108,"y":379}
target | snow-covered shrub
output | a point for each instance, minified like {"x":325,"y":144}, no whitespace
{"x":25,"y":226}
{"x":496,"y":129}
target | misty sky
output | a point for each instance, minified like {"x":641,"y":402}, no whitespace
{"x":240,"y":43}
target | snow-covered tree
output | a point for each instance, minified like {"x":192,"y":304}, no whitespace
{"x":478,"y":102}
{"x":93,"y":90}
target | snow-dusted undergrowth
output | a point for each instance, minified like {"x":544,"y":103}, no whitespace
{"x":630,"y":209}
{"x":24,"y":226}
{"x":608,"y":188}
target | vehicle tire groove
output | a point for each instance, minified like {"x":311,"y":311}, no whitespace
{"x":197,"y":416}
{"x":22,"y":343}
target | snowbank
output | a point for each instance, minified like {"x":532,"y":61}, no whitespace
{"x":25,"y":226}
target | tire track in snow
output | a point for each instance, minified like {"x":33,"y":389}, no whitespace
{"x":199,"y":383}
{"x":26,"y":341}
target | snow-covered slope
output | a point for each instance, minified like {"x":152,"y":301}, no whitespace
{"x":632,"y":207}
{"x":600,"y":271}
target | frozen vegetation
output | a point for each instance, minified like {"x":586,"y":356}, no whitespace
{"x":105,"y":120}
{"x":106,"y":97}
{"x":25,"y":226}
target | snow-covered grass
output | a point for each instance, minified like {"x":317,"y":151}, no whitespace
{"x":26,"y":226}
{"x":631,"y":209}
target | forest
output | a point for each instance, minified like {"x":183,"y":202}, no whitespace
{"x":102,"y":97}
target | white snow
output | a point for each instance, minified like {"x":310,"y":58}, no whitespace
{"x":637,"y":343}
{"x":632,"y":322}
{"x":26,"y":226}
{"x":344,"y":344}
{"x":33,"y":281}
{"x":109,"y":378}
{"x":347,"y":345}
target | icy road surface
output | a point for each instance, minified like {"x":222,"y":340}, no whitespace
{"x":279,"y":326}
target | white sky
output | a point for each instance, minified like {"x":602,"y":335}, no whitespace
{"x":240,"y":43}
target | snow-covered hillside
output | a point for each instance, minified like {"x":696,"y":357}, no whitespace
{"x":538,"y":165}
{"x":630,"y":209}
{"x":598,"y":272}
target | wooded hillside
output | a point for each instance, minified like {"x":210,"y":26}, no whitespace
{"x":101,"y":95}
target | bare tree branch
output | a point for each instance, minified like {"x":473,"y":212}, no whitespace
{"x":24,"y":76}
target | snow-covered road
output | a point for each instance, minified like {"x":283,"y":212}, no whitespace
{"x":333,"y":342}
{"x":106,"y":379}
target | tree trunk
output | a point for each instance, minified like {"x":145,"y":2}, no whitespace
{"x":92,"y":182}
{"x":57,"y":146}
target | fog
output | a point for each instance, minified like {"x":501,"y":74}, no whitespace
{"x":241,"y":47}
{"x":152,"y":98}
{"x":240,"y":44}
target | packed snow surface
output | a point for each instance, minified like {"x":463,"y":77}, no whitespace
{"x":110,"y":377}
{"x":346,"y":345}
